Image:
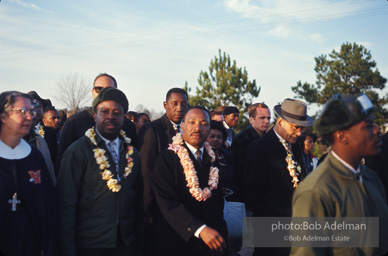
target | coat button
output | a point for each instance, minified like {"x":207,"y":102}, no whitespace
{"x":189,"y":229}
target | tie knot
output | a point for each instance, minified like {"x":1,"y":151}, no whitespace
{"x":112,"y":143}
{"x":198,"y":153}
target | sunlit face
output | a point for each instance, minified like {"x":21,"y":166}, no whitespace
{"x":289,"y":131}
{"x":176,"y":107}
{"x":16,"y":123}
{"x":100,"y":83}
{"x":215,"y":139}
{"x":364,"y":138}
{"x":261,"y":120}
{"x":196,"y":127}
{"x":231,"y":119}
{"x":308,"y":144}
{"x":51,"y":119}
{"x":109,"y":119}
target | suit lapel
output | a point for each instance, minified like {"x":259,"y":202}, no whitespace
{"x":168,"y":128}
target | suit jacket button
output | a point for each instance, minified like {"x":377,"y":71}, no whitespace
{"x":189,"y":229}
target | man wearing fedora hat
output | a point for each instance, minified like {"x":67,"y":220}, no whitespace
{"x":274,"y":166}
{"x":341,"y":186}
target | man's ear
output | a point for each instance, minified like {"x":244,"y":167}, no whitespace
{"x":164,"y":105}
{"x":94,"y":116}
{"x":342,"y":137}
{"x":251,"y":120}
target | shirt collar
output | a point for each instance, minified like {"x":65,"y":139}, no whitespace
{"x":21,"y":151}
{"x":117,"y":140}
{"x":346,"y":164}
{"x":194,"y":150}
{"x":226,"y":125}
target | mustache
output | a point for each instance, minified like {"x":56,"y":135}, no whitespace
{"x":197,"y":133}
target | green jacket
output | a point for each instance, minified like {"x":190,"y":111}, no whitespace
{"x":332,"y":190}
{"x":89,"y":213}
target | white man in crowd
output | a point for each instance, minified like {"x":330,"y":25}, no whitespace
{"x":259,"y":119}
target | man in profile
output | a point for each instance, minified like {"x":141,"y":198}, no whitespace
{"x":231,"y":115}
{"x":274,"y":166}
{"x":341,"y":186}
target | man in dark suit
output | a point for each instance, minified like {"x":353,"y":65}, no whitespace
{"x":189,"y":218}
{"x":274,"y":166}
{"x":156,"y":135}
{"x":77,"y":124}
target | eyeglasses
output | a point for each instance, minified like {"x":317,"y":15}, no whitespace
{"x":25,"y":111}
{"x":300,"y":129}
{"x":97,"y":89}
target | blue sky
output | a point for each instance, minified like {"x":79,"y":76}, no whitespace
{"x":152,"y":46}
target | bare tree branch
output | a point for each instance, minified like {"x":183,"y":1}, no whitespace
{"x":73,"y":91}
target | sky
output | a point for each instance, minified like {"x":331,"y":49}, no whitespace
{"x":152,"y":46}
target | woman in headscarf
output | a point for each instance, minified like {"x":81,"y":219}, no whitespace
{"x":27,"y":199}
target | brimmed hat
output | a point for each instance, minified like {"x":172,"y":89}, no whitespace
{"x":230,"y":110}
{"x":111,"y":93}
{"x":343,"y":111}
{"x":295,"y":112}
{"x":44,"y":102}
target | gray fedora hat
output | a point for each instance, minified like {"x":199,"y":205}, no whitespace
{"x":295,"y":112}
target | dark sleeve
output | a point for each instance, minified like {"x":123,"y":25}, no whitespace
{"x":50,"y":218}
{"x":68,"y":136}
{"x":139,"y":207}
{"x":166,"y":194}
{"x":130,"y":130}
{"x":255,"y":178}
{"x":148,"y":143}
{"x":238,"y":154}
{"x":68,"y":186}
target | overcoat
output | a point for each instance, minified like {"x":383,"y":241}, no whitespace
{"x":179,"y":214}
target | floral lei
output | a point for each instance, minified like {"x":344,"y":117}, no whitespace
{"x":292,"y":166}
{"x":189,"y":169}
{"x":102,"y":160}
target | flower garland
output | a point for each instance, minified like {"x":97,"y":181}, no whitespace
{"x":292,"y":166}
{"x":189,"y":169}
{"x":102,"y":160}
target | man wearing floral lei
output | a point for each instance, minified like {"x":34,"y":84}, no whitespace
{"x":186,"y":182}
{"x":274,"y":166}
{"x":100,"y":186}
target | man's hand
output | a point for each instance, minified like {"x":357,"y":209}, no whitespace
{"x":213,"y":239}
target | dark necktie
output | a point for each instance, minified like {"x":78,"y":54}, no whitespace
{"x":198,"y":153}
{"x":177,"y":128}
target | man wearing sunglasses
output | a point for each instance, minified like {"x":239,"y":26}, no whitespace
{"x":77,"y":124}
{"x":274,"y":166}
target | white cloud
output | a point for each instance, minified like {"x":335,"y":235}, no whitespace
{"x":27,"y":5}
{"x":276,"y":13}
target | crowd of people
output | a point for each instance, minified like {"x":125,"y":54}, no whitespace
{"x":108,"y":181}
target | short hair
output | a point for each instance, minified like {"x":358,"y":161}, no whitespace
{"x":214,"y":113}
{"x":230,"y":110}
{"x":7,"y":99}
{"x":218,"y":125}
{"x":252,"y":109}
{"x":138,"y":115}
{"x":176,"y":90}
{"x":50,"y":109}
{"x":107,"y":75}
{"x":196,"y":107}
